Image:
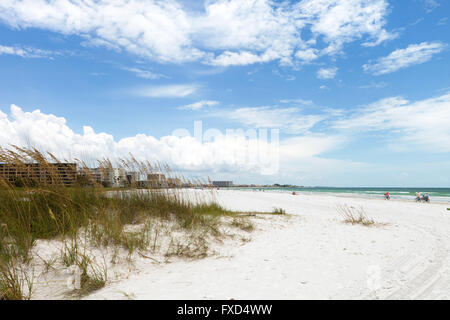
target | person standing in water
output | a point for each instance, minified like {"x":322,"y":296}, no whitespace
{"x":387,"y":196}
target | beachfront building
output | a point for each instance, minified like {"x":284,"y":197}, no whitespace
{"x":30,"y":173}
{"x":157,"y":180}
{"x":110,"y":177}
{"x":174,"y":182}
{"x":132,"y":177}
{"x":114,"y":177}
{"x":222,"y":184}
{"x":154,"y":180}
{"x":95,"y":174}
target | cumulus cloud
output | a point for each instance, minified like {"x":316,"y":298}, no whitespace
{"x":199,"y":105}
{"x":288,"y":119}
{"x":224,"y":33}
{"x":224,"y":153}
{"x":345,"y":21}
{"x":300,"y":157}
{"x":165,"y":91}
{"x":239,"y":58}
{"x":327,"y":73}
{"x":26,"y":52}
{"x":155,"y":29}
{"x":307,"y":55}
{"x":403,"y":58}
{"x":407,"y":125}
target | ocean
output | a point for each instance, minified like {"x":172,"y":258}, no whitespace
{"x":436,"y":194}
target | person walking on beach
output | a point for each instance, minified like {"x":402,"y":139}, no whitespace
{"x":417,"y":196}
{"x":387,"y":196}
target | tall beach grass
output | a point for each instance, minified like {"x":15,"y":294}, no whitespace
{"x":88,"y":213}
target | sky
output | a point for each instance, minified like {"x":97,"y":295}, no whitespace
{"x":348,"y":92}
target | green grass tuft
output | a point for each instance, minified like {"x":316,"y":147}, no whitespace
{"x":278,"y":211}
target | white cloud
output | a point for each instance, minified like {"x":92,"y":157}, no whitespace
{"x":430,"y":5}
{"x":51,"y":133}
{"x":374,"y":85}
{"x":345,"y":21}
{"x":307,"y":55}
{"x":226,"y":32}
{"x":442,"y":22}
{"x":166,"y":91}
{"x":406,"y":125}
{"x":287,"y":119}
{"x":157,"y":30}
{"x":301,"y":157}
{"x":238,"y":59}
{"x":145,"y":74}
{"x":382,"y":37}
{"x":327,"y":73}
{"x":26,"y":52}
{"x":297,"y":101}
{"x":309,"y":146}
{"x":403,"y":58}
{"x":199,"y":105}
{"x":97,"y":74}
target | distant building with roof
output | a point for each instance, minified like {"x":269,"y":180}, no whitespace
{"x":29,"y":173}
{"x":222,"y":184}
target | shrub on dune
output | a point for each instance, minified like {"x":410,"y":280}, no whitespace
{"x":355,"y":215}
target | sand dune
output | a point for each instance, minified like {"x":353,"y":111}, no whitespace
{"x":312,"y":254}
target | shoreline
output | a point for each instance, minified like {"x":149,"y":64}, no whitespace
{"x":435,"y":199}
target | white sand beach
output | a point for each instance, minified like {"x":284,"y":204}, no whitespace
{"x":310,"y":254}
{"x":224,"y":150}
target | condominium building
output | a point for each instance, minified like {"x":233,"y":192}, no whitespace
{"x":115,"y":177}
{"x":95,"y":174}
{"x":174,"y":182}
{"x":156,"y":180}
{"x":111,"y":177}
{"x":132,"y":177}
{"x":30,"y":173}
{"x":222,"y":183}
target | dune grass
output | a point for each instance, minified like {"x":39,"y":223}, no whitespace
{"x":35,"y":210}
{"x":353,"y":215}
{"x":278,"y":211}
{"x":242,"y":224}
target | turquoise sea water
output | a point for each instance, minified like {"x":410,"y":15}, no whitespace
{"x":436,"y":194}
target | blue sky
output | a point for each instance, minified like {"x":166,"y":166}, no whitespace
{"x":358,"y":89}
